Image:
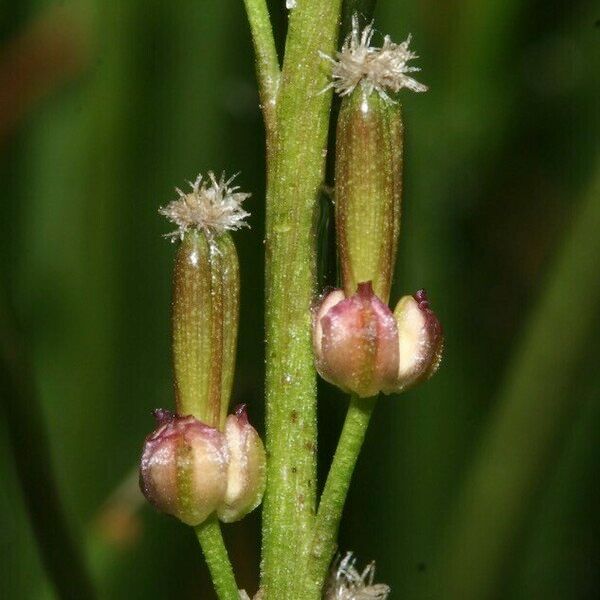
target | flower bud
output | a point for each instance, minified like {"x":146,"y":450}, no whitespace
{"x":356,"y":342}
{"x":246,"y":471}
{"x":368,"y":187}
{"x":364,"y":349}
{"x":421,"y":340}
{"x":183,"y":470}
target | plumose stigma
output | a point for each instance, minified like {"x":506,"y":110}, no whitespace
{"x":382,"y":69}
{"x":213,"y":206}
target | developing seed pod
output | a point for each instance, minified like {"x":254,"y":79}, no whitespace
{"x":246,"y":471}
{"x":368,"y":187}
{"x":359,"y":345}
{"x":205,"y":323}
{"x":205,"y":297}
{"x":186,"y":469}
{"x":183,"y":470}
{"x":368,"y":169}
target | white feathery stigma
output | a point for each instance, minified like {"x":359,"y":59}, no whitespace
{"x":347,"y":583}
{"x":213,"y":206}
{"x":382,"y":69}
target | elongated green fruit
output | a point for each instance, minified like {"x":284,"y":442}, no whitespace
{"x":205,"y":322}
{"x":206,"y":289}
{"x":368,"y":188}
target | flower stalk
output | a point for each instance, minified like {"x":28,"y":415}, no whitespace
{"x":211,"y":541}
{"x":267,"y":63}
{"x":323,"y":544}
{"x":295,"y":173}
{"x":296,"y":148}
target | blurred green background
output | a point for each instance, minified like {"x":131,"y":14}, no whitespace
{"x":483,"y":483}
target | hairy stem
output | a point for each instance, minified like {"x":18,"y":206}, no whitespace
{"x":267,"y":63}
{"x":334,"y":495}
{"x":211,"y":541}
{"x":295,"y":173}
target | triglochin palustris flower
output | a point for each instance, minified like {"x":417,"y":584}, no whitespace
{"x":382,"y":69}
{"x":213,"y":207}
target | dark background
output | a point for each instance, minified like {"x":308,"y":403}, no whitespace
{"x":106,"y":106}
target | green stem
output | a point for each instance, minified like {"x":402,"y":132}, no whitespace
{"x":267,"y":63}
{"x":533,"y":409}
{"x":334,"y":495}
{"x":211,"y":541}
{"x":295,"y":173}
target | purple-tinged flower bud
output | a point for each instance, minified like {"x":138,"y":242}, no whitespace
{"x":246,"y":472}
{"x":183,"y":470}
{"x":421,"y":341}
{"x":356,"y":342}
{"x":364,"y":349}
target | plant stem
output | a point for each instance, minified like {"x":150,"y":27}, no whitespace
{"x":295,"y":173}
{"x":211,"y":541}
{"x":533,"y":409}
{"x":267,"y":63}
{"x":335,"y":492}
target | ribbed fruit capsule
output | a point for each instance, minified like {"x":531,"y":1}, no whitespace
{"x":205,"y":324}
{"x":368,"y":188}
{"x":206,"y":287}
{"x":195,"y":465}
